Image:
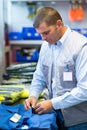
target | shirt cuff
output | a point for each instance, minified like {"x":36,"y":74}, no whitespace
{"x":57,"y":103}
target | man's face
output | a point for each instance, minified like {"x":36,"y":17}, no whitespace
{"x":49,"y":33}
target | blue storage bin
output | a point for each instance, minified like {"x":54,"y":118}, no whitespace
{"x":15,"y":36}
{"x":29,"y":33}
{"x":33,"y":58}
{"x":37,"y":36}
{"x":76,"y":29}
{"x":84,"y":31}
{"x":85,"y":35}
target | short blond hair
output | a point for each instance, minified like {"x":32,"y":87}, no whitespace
{"x":48,"y":15}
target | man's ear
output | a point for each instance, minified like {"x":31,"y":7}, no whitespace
{"x":59,"y":23}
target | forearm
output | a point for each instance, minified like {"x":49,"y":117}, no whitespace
{"x":76,"y":96}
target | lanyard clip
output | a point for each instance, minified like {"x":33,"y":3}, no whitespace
{"x":67,"y":67}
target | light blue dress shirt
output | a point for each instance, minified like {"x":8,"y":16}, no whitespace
{"x":70,"y":50}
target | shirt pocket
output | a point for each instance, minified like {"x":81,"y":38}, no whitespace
{"x":67,"y":75}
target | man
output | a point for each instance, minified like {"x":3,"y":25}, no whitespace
{"x":62,"y":67}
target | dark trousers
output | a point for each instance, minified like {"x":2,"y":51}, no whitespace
{"x":60,"y":123}
{"x":82,"y":126}
{"x":60,"y":120}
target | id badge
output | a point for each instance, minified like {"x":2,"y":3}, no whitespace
{"x":67,"y":76}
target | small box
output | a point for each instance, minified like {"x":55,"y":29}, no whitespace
{"x":15,"y":36}
{"x":29,"y":33}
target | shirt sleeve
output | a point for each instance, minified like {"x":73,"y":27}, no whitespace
{"x":38,"y":82}
{"x":79,"y":93}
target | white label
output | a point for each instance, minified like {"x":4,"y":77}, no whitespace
{"x":15,"y":118}
{"x":67,"y":76}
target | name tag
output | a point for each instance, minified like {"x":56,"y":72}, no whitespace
{"x":67,"y":76}
{"x":15,"y":118}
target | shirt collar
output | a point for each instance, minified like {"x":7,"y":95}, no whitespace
{"x":64,"y":37}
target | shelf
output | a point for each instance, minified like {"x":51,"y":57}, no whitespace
{"x":35,"y":0}
{"x":26,"y":43}
{"x":18,"y":44}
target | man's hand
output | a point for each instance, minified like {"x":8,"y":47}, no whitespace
{"x":30,"y":102}
{"x":43,"y":107}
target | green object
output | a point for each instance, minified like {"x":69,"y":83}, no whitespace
{"x":32,"y":9}
{"x":9,"y":94}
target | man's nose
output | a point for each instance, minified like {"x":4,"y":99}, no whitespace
{"x":43,"y":37}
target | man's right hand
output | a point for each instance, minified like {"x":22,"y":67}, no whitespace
{"x":30,"y":102}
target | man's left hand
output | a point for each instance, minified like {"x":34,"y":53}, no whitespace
{"x":43,"y":107}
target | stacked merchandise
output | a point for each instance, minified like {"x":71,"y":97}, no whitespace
{"x":19,"y":73}
{"x":9,"y":94}
{"x":16,"y":82}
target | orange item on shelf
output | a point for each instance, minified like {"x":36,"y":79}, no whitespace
{"x":76,"y":12}
{"x":72,"y":11}
{"x":72,"y":15}
{"x":80,"y":12}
